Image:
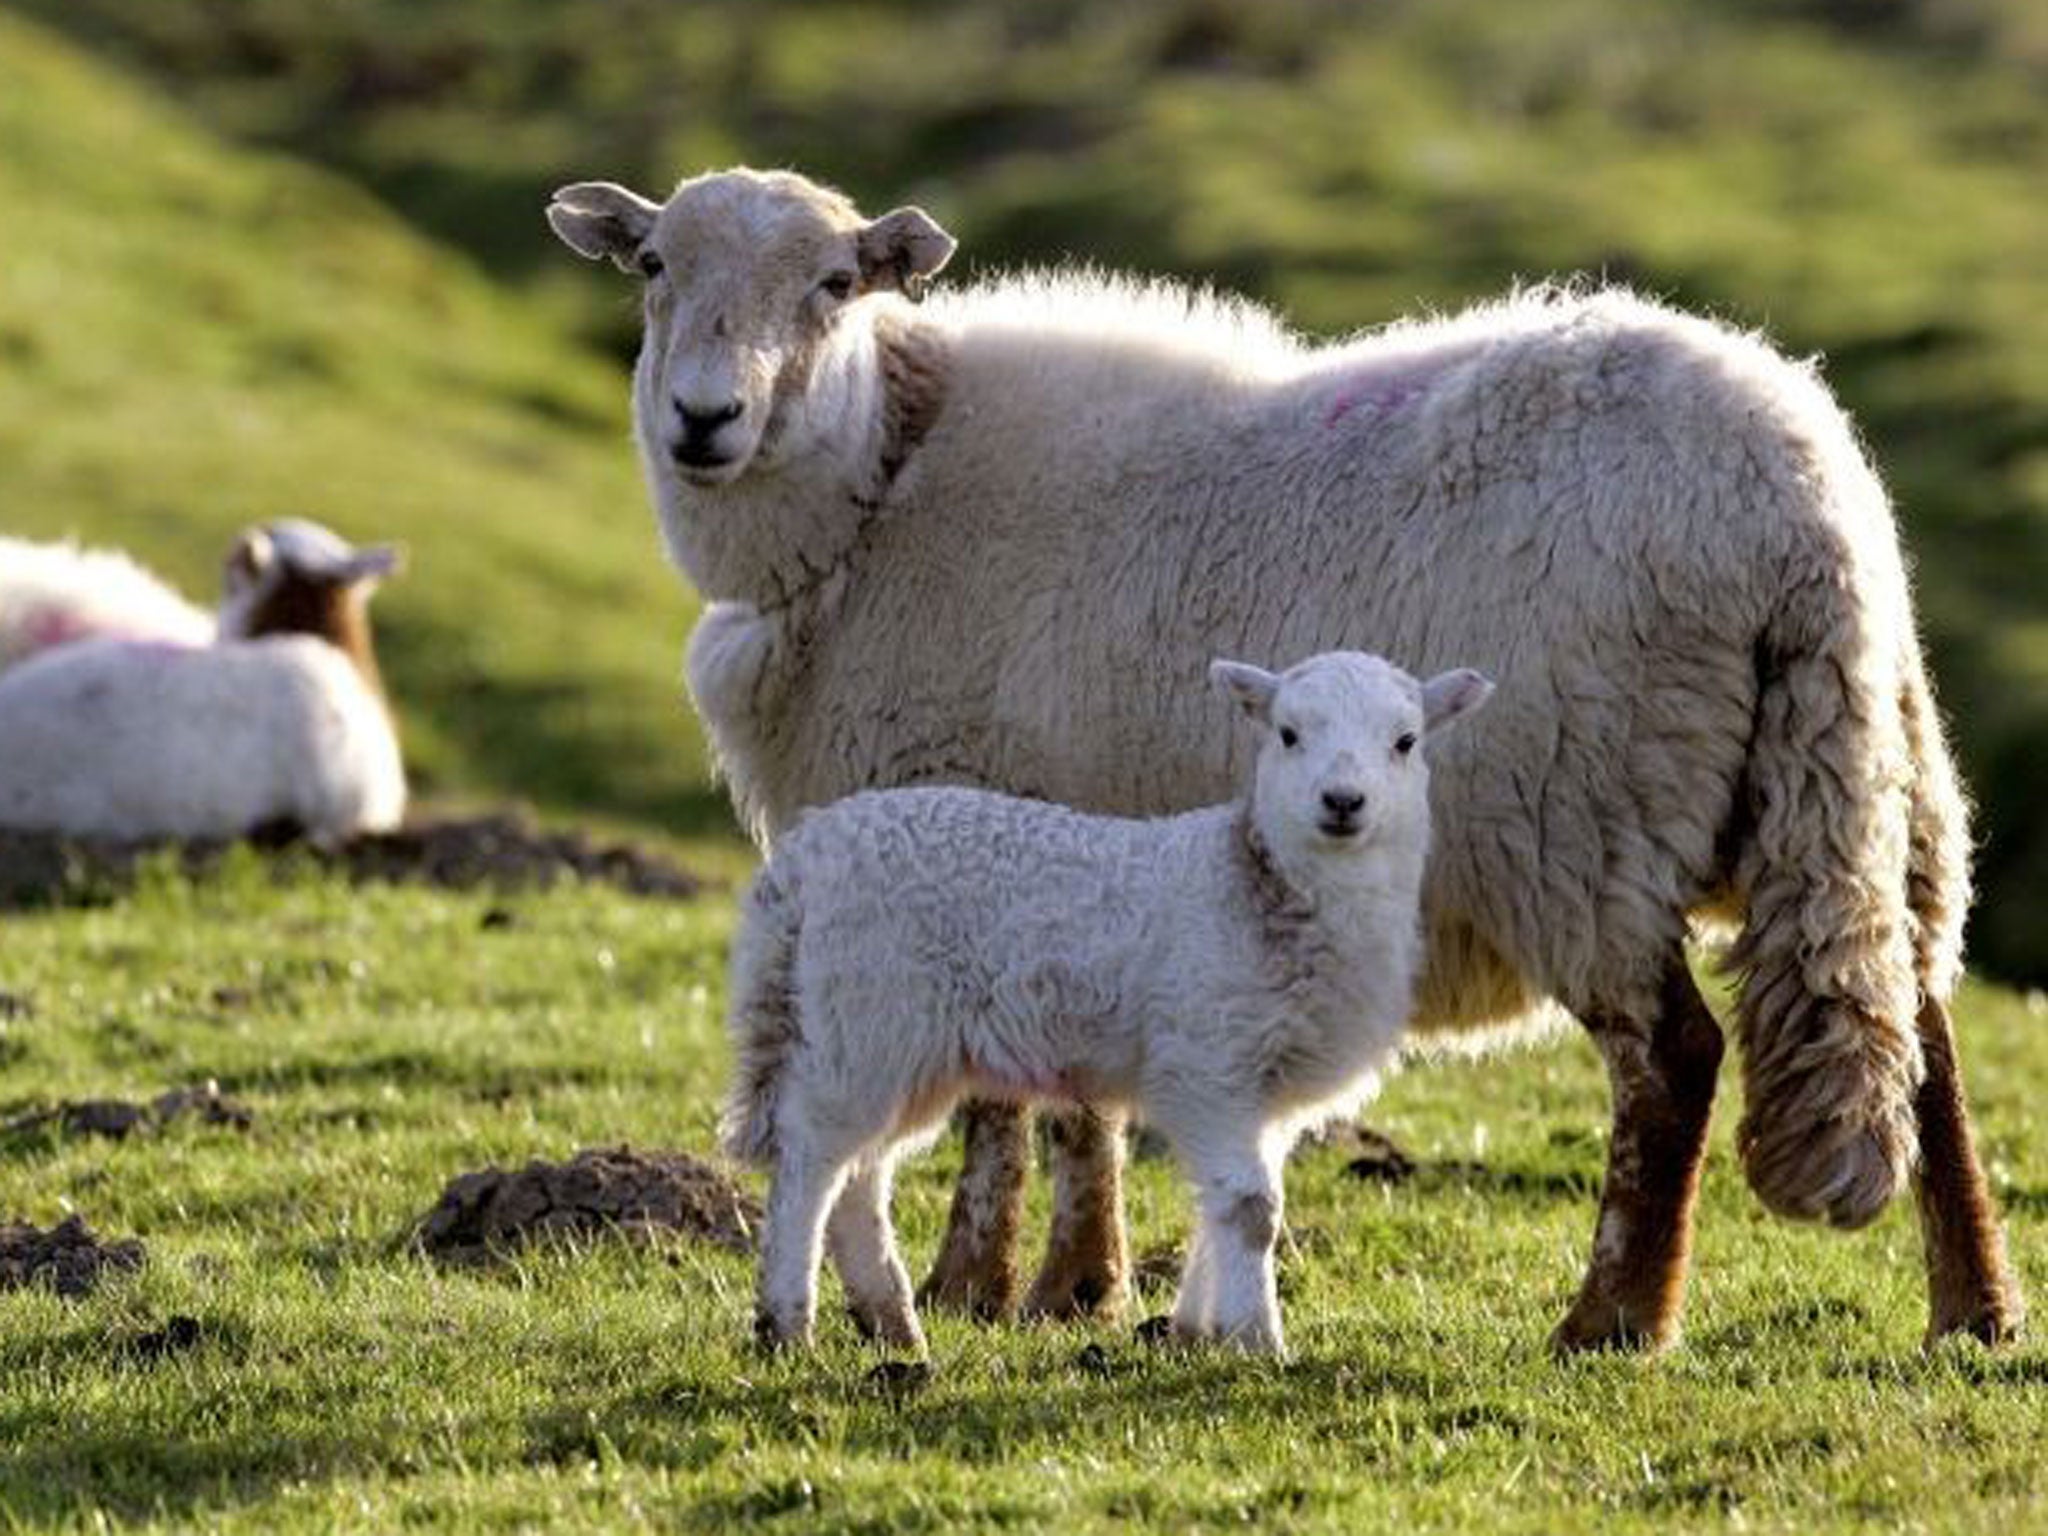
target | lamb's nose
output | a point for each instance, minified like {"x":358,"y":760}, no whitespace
{"x":1343,"y":802}
{"x":699,"y":424}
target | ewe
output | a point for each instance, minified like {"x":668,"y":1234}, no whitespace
{"x":994,"y":541}
{"x":1233,"y":973}
{"x":280,"y":720}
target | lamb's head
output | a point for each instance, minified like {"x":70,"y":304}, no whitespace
{"x":295,"y":577}
{"x":747,"y":277}
{"x":1340,"y":768}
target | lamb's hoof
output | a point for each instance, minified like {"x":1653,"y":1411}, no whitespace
{"x":1608,"y":1329}
{"x":772,"y":1336}
{"x":1076,"y":1297}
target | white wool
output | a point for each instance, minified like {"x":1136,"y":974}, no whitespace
{"x":1234,"y":973}
{"x":154,"y":739}
{"x":53,"y":594}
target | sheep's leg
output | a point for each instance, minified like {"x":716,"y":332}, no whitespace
{"x":1194,"y":1306}
{"x":1241,"y":1205}
{"x":791,"y":1243}
{"x":863,"y":1246}
{"x":1086,"y":1272}
{"x":1662,"y":1076}
{"x":1969,"y":1285}
{"x":976,"y":1270}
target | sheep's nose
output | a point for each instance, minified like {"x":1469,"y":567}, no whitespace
{"x":1343,"y":802}
{"x":700,"y":424}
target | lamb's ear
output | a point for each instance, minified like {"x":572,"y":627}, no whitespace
{"x":1450,"y":694}
{"x":601,"y":219}
{"x":901,"y":250}
{"x":1252,"y":687}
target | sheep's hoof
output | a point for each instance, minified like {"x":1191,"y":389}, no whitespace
{"x":1155,"y":1330}
{"x":1076,"y":1297}
{"x":1995,"y":1321}
{"x":969,"y":1294}
{"x":901,"y":1378}
{"x":1597,"y":1329}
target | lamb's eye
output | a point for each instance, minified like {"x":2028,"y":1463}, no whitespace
{"x":1404,"y":743}
{"x":838,"y":286}
{"x":650,"y":264}
{"x":1289,"y":737}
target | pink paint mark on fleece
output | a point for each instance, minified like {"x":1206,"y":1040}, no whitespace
{"x":1382,"y":389}
{"x":53,"y":627}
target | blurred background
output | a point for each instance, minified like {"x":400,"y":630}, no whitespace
{"x":263,"y":256}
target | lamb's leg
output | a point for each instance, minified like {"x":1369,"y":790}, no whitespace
{"x":863,"y":1246}
{"x":1662,"y":1073}
{"x":805,"y":1183}
{"x":1970,"y":1288}
{"x":1086,"y":1272}
{"x":1241,"y":1204}
{"x":976,"y":1270}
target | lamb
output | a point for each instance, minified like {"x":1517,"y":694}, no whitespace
{"x":993,"y":540}
{"x":52,"y":594}
{"x":1235,"y":973}
{"x":280,"y":721}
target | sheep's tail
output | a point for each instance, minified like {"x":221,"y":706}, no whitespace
{"x":1938,"y":876}
{"x":1850,"y":832}
{"x":763,"y":1019}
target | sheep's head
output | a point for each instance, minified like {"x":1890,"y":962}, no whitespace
{"x":746,"y":275}
{"x":1340,"y":765}
{"x":296,"y":577}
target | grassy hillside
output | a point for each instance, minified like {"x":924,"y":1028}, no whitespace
{"x":385,"y":1040}
{"x":1864,"y":180}
{"x":193,"y":337}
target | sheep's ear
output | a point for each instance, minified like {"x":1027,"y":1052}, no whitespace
{"x":1252,"y":687}
{"x":373,"y":563}
{"x":251,"y":554}
{"x":602,"y":220}
{"x":1450,"y":694}
{"x":901,"y":250}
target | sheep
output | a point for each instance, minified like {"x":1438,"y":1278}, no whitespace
{"x":280,"y":721}
{"x":992,"y":541}
{"x":52,"y":594}
{"x":1235,"y":973}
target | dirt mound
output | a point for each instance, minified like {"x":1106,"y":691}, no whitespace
{"x":640,"y":1195}
{"x":503,"y":850}
{"x":119,"y":1118}
{"x":67,"y":1258}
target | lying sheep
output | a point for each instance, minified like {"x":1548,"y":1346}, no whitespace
{"x":1234,"y":973}
{"x":281,"y":720}
{"x":994,"y":540}
{"x":53,"y":594}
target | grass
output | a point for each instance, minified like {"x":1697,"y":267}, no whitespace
{"x":388,"y":1039}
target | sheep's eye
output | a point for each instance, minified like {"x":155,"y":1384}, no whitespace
{"x":1405,"y":743}
{"x":1289,"y":737}
{"x":839,"y":285}
{"x":650,"y":264}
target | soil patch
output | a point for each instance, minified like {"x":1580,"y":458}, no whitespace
{"x":120,"y":1118}
{"x":67,"y":1258}
{"x":503,"y":850}
{"x":601,"y":1190}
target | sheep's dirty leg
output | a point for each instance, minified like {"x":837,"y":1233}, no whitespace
{"x":1086,"y":1272}
{"x":1663,"y":1082}
{"x":1970,"y":1288}
{"x":863,"y":1247}
{"x":976,"y":1270}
